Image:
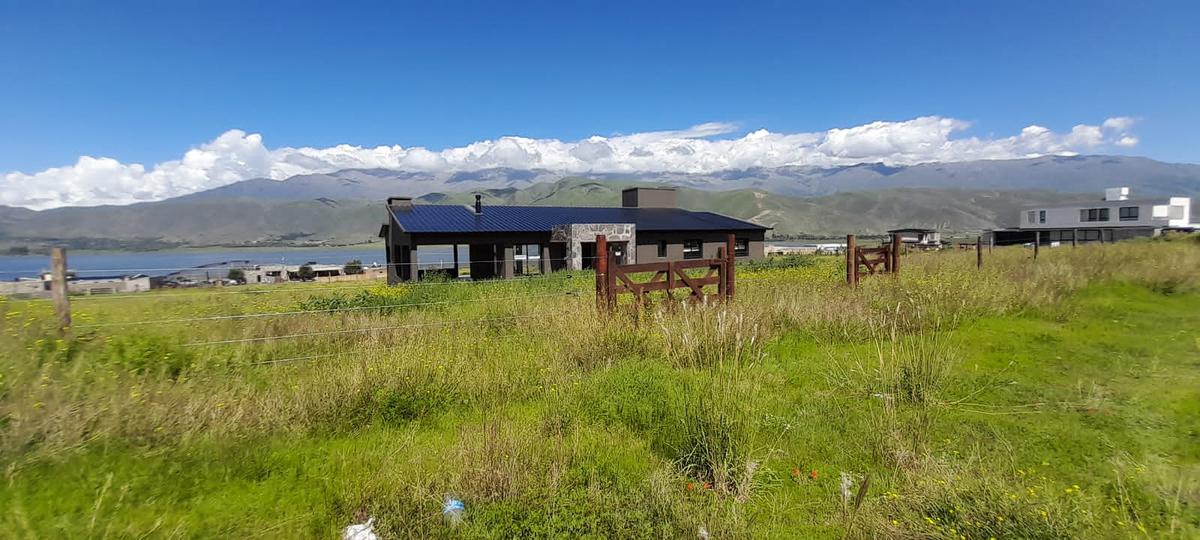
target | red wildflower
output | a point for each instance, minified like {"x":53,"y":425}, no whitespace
{"x":795,"y":472}
{"x":707,"y":485}
{"x":691,"y":486}
{"x":813,"y":474}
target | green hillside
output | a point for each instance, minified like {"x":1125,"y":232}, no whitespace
{"x":246,"y":221}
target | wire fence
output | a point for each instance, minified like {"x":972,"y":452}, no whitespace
{"x":260,"y":339}
{"x":304,"y":287}
{"x":314,"y":311}
{"x":221,"y":267}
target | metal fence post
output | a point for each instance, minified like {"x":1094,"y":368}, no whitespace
{"x":58,"y":287}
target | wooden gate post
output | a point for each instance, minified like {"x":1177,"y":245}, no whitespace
{"x":730,"y":262}
{"x":610,"y":281}
{"x":601,"y":272}
{"x":895,"y":253}
{"x":851,"y":261}
{"x":978,"y":252}
{"x":58,"y":287}
{"x":722,"y":274}
{"x":1037,"y":243}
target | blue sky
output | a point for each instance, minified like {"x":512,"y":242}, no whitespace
{"x":144,"y":82}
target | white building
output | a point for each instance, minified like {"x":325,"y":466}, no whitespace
{"x":77,"y":285}
{"x":1116,"y":217}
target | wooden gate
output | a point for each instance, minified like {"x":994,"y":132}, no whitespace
{"x":613,"y":279}
{"x":884,"y":259}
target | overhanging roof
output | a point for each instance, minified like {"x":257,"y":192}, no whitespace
{"x":439,"y":218}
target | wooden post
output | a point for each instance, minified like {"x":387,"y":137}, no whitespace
{"x":851,"y":262}
{"x":58,"y":287}
{"x":610,"y":282}
{"x":601,"y":272}
{"x":730,"y":262}
{"x":978,"y":252}
{"x":1074,"y":237}
{"x":1037,"y":242}
{"x":894,"y":253}
{"x":455,"y":248}
{"x":723,"y":282}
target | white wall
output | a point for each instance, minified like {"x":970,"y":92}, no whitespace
{"x":1174,"y":212}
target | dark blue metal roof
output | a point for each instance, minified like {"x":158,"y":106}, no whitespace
{"x":439,"y":218}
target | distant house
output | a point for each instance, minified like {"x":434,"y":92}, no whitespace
{"x":25,"y":287}
{"x":806,"y":249}
{"x":919,"y":238}
{"x":507,"y":241}
{"x":107,"y":284}
{"x":1116,"y":217}
{"x":77,"y":285}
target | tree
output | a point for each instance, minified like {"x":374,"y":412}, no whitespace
{"x":236,"y":274}
{"x":354,"y":266}
{"x":305,"y":273}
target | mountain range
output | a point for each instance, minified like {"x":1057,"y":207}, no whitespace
{"x":344,"y":207}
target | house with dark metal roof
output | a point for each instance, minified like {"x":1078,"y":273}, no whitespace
{"x":508,"y":241}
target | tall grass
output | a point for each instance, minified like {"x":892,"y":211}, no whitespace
{"x":528,"y":395}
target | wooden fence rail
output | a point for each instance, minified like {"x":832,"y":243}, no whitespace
{"x":884,"y":259}
{"x":613,"y":279}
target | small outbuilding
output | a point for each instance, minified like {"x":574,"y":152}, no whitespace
{"x":919,"y":238}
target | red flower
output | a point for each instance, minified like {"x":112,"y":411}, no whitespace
{"x":813,"y":474}
{"x":707,"y":485}
{"x":795,"y":472}
{"x":691,"y":486}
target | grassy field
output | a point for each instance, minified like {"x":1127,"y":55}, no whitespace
{"x":1050,"y":399}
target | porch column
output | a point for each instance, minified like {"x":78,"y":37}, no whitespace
{"x":545,"y":258}
{"x":509,"y":260}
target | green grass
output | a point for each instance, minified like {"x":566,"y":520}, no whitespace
{"x":1056,"y":399}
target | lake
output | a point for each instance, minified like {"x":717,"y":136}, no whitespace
{"x":157,"y":263}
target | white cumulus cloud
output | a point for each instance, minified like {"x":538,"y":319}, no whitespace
{"x":706,"y":148}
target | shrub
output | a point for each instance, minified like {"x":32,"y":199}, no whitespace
{"x":381,"y":299}
{"x":714,"y":433}
{"x":147,"y":354}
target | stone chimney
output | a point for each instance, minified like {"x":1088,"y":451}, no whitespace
{"x":1116,"y":194}
{"x":642,"y":197}
{"x":402,"y":203}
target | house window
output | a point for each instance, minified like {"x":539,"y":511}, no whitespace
{"x":1030,"y":216}
{"x":692,"y":249}
{"x":1041,"y":216}
{"x":1128,"y":213}
{"x":527,"y":259}
{"x":741,"y":247}
{"x":662,"y":249}
{"x":1093,"y":214}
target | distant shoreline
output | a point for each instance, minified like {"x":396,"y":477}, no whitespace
{"x":202,"y":249}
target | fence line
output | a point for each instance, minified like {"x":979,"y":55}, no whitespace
{"x":309,"y":311}
{"x":440,"y":264}
{"x":294,"y":287}
{"x":360,"y":330}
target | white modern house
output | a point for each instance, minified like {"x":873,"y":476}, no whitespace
{"x":1116,"y":217}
